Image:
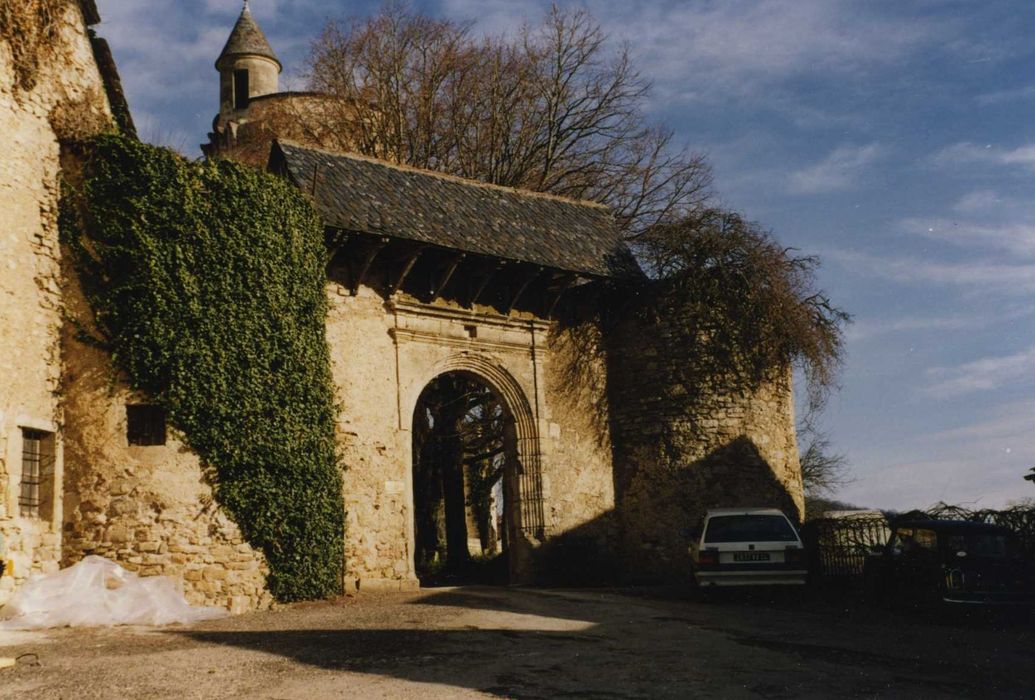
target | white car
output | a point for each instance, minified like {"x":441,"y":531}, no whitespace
{"x":748,"y":547}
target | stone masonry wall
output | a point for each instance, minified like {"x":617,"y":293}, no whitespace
{"x":148,"y":508}
{"x":686,"y":443}
{"x":374,"y":451}
{"x":69,"y":91}
{"x":579,"y":468}
{"x":385,"y":351}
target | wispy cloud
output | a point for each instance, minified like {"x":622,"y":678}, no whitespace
{"x":868,"y":328}
{"x":1010,"y":421}
{"x":981,"y":200}
{"x":717,"y":50}
{"x":978,"y":463}
{"x":1026,"y":92}
{"x":967,"y":475}
{"x":983,"y":374}
{"x":980,"y":275}
{"x":840,"y":170}
{"x":967,"y":153}
{"x":1016,"y":238}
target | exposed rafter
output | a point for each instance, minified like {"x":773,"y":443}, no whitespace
{"x":566,"y":282}
{"x":531,"y":277}
{"x":364,"y":267}
{"x":336,"y":240}
{"x":408,"y":264}
{"x":491,"y":269}
{"x":447,"y":274}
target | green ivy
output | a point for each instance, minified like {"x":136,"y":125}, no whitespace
{"x":206,"y":280}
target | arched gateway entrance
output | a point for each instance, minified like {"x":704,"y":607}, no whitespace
{"x":477,"y":492}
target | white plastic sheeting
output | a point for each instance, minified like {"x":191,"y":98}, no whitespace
{"x":97,"y":592}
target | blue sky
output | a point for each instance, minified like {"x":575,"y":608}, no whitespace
{"x":894,"y":139}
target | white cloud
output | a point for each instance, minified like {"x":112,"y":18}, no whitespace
{"x":980,"y":201}
{"x":1015,"y":238}
{"x":969,"y":475}
{"x":979,"y":463}
{"x":980,"y":275}
{"x":840,"y":170}
{"x":867,"y":328}
{"x":983,"y":374}
{"x":718,"y":49}
{"x":967,"y":153}
{"x":1010,"y":422}
{"x":983,"y":219}
{"x":999,"y":96}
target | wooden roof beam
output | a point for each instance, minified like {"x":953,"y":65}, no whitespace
{"x":364,"y":267}
{"x":335,"y":240}
{"x":529,"y":279}
{"x":447,"y":274}
{"x":483,"y":282}
{"x":566,"y":283}
{"x":408,"y":264}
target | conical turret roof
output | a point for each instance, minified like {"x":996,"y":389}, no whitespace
{"x":247,"y":39}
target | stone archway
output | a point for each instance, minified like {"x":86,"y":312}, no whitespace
{"x":524,"y":519}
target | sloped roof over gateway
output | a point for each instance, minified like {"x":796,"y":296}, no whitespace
{"x":355,"y":193}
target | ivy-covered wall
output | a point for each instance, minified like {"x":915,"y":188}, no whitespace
{"x":206,"y":282}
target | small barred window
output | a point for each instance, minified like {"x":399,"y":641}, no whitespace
{"x":36,"y":496}
{"x":145,"y":425}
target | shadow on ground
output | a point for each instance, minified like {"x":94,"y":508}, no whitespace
{"x":539,"y":644}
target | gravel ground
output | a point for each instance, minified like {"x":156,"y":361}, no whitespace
{"x":525,"y":643}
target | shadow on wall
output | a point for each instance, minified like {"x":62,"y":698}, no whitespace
{"x":646,"y":539}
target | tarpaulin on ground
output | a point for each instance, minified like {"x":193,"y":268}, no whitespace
{"x":98,"y":592}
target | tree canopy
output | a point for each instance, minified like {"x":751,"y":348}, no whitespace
{"x":550,"y":109}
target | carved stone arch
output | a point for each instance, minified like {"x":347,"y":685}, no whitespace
{"x":527,"y":517}
{"x":515,"y":398}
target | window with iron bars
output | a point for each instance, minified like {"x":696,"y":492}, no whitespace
{"x":145,"y":425}
{"x":36,"y":497}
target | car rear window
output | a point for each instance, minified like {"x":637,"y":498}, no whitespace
{"x":749,"y":528}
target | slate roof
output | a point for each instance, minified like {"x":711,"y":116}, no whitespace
{"x":356,"y":193}
{"x":247,"y":39}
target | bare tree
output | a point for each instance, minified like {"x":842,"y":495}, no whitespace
{"x":551,"y":109}
{"x":752,"y":305}
{"x":823,"y":471}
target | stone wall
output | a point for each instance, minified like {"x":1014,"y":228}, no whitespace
{"x":579,"y":469}
{"x":686,"y":440}
{"x":68,"y":92}
{"x":149,"y":508}
{"x":374,"y":451}
{"x":385,"y":351}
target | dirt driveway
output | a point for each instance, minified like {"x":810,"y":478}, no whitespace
{"x":521,"y":643}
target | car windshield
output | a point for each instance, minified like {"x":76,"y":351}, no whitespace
{"x":749,"y":528}
{"x":996,"y":546}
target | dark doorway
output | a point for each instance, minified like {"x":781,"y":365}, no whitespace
{"x":464,"y":449}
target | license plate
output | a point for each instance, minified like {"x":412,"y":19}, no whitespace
{"x":751,"y":556}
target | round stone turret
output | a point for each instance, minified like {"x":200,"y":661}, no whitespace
{"x":247,"y":67}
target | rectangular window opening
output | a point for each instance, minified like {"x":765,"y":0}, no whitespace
{"x":145,"y":425}
{"x":240,"y":89}
{"x":36,"y":495}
